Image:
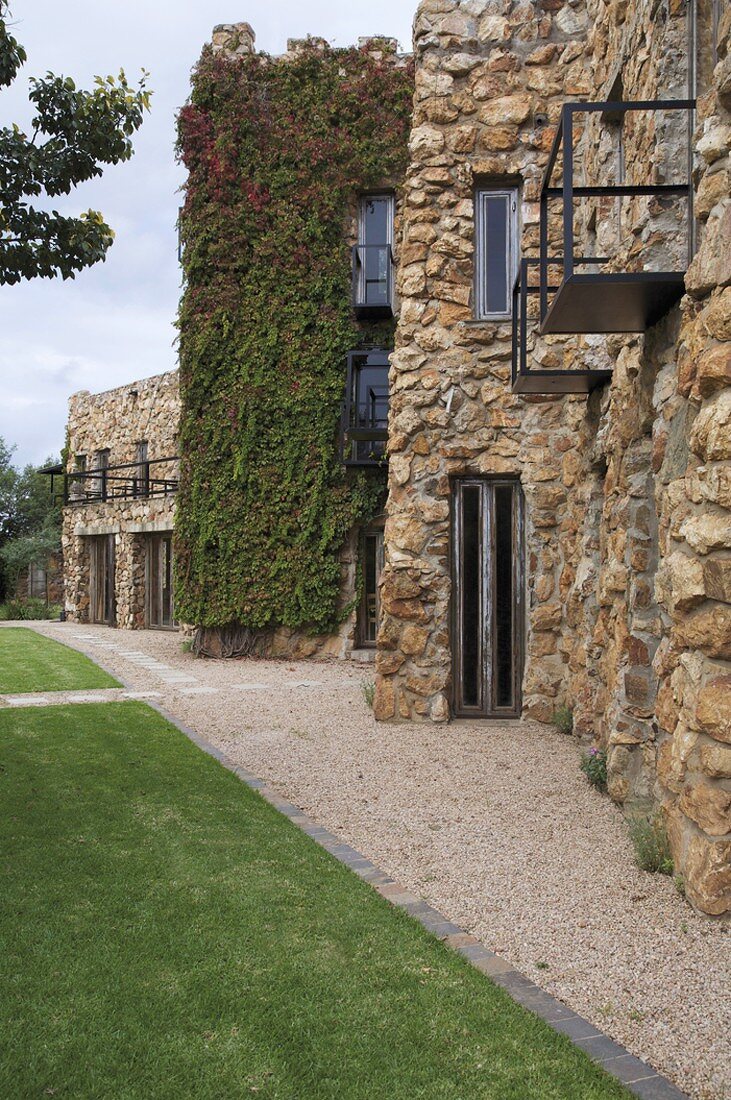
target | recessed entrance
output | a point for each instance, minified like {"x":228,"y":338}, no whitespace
{"x":487,"y":598}
{"x":160,"y":602}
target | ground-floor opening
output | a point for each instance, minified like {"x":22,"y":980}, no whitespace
{"x":487,"y":600}
{"x":102,"y":569}
{"x":160,"y":600}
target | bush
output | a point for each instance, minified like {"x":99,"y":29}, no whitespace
{"x":650,"y":841}
{"x":563,"y":719}
{"x":33,"y":608}
{"x":594,"y":766}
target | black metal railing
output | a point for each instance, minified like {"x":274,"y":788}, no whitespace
{"x":155,"y":477}
{"x":364,"y":417}
{"x":544,"y":380}
{"x":373,"y":280}
{"x":607,"y":301}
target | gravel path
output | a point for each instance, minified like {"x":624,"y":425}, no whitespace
{"x":490,"y":822}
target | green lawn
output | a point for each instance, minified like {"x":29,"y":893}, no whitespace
{"x":30,"y":662}
{"x":164,"y":932}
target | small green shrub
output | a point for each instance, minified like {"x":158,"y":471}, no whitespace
{"x":563,"y":719}
{"x":369,"y":692}
{"x":186,"y":646}
{"x":26,"y":610}
{"x":650,"y":841}
{"x":594,"y":766}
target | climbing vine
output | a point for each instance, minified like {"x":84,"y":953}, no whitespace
{"x":276,"y":152}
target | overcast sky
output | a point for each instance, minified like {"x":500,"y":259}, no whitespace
{"x":114,"y":322}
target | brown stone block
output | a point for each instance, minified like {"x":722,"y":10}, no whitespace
{"x":708,"y":629}
{"x":713,"y":370}
{"x":404,"y":609}
{"x":426,"y":685}
{"x":713,"y":709}
{"x":384,"y":700}
{"x":716,"y":316}
{"x":707,"y":873}
{"x":546,"y":616}
{"x":716,"y":760}
{"x":711,"y":266}
{"x":413,"y":640}
{"x":542,"y":645}
{"x":717,"y":578}
{"x":507,"y":110}
{"x":712,"y":189}
{"x":499,"y":139}
{"x":709,"y":806}
{"x":388,"y":663}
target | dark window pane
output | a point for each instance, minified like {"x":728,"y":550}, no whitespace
{"x":375,"y":236}
{"x":375,"y":220}
{"x":370,"y":406}
{"x":504,"y":627}
{"x":495,"y":259}
{"x":471,"y":595}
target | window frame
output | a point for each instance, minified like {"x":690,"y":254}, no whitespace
{"x":360,"y":288}
{"x":511,"y":192}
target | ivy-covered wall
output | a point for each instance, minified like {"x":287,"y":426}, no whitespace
{"x":277,"y":152}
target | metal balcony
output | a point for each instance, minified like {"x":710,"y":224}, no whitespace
{"x":124,"y":481}
{"x":540,"y":379}
{"x":364,"y":419}
{"x":606,"y":301}
{"x":373,"y":280}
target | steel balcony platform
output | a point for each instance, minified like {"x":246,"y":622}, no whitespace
{"x":613,"y":302}
{"x":550,"y":382}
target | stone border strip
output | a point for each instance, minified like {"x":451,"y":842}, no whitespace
{"x":636,"y":1075}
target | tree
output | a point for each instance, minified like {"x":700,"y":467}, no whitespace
{"x":30,"y":519}
{"x":82,"y":131}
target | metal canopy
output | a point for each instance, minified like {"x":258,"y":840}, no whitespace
{"x":605,"y":301}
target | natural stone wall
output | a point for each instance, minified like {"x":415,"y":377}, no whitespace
{"x":627,"y":493}
{"x":117,"y":420}
{"x":488,"y":83}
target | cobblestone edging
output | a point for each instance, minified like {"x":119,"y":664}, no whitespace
{"x":639,"y":1077}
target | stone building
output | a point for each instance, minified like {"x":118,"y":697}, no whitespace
{"x":558,"y":515}
{"x":559,"y":533}
{"x":119,"y":494}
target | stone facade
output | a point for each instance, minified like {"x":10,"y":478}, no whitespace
{"x":116,"y":422}
{"x":626,"y":493}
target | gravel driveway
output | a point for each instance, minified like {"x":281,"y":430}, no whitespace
{"x":490,"y":822}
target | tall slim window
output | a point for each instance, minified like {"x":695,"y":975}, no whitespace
{"x":496,"y":252}
{"x":373,"y":258}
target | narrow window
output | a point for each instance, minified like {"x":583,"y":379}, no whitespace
{"x":496,"y":221}
{"x":373,"y":265}
{"x":142,"y":480}
{"x":371,"y":564}
{"x":366,"y":407}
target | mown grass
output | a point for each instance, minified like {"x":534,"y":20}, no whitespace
{"x":164,"y":932}
{"x":29,"y":662}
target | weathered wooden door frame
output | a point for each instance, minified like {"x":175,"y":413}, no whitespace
{"x":154,"y":579}
{"x":486,"y":705}
{"x":102,"y":580}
